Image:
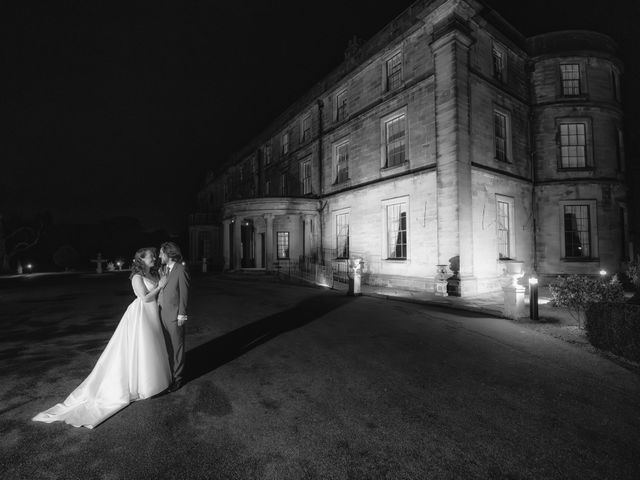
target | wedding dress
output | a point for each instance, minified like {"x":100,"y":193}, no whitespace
{"x":133,"y":366}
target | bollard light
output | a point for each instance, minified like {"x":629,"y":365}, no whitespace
{"x":29,"y":267}
{"x":603,"y":273}
{"x":533,"y":298}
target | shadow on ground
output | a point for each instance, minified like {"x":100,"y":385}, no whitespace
{"x":219,"y":351}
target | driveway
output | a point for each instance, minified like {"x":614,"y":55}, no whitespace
{"x":289,"y":382}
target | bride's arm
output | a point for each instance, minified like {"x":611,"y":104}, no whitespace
{"x":141,"y":291}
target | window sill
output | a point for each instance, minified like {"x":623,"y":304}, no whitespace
{"x":580,"y":260}
{"x":343,"y":183}
{"x":506,"y":160}
{"x":396,"y":260}
{"x":576,"y":169}
{"x":394,"y":169}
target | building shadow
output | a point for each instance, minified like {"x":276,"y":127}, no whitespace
{"x":219,"y":351}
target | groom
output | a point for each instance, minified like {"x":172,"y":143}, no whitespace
{"x":172,"y":301}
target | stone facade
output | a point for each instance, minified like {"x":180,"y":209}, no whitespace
{"x":446,"y":137}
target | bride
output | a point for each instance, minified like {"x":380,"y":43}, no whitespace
{"x":134,"y":364}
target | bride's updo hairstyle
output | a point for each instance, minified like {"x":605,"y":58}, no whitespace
{"x":138,"y":265}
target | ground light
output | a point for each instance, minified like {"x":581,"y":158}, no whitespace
{"x":533,"y":298}
{"x":603,"y":273}
{"x":29,"y":267}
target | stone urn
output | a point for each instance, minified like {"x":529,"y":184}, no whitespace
{"x":514,"y":269}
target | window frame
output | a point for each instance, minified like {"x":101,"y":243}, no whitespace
{"x":305,"y":181}
{"x":305,"y":134}
{"x":580,"y":80}
{"x":588,"y":145}
{"x":344,"y":143}
{"x":283,"y":234}
{"x":511,"y":235}
{"x":344,"y":214}
{"x":284,"y":184}
{"x":508,"y":147}
{"x":593,"y":230}
{"x":266,"y":153}
{"x":384,"y":149}
{"x":501,"y":75}
{"x":340,"y":111}
{"x":393,"y":84}
{"x":285,"y":143}
{"x":385,"y":204}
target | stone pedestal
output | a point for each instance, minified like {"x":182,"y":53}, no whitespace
{"x":513,"y":302}
{"x":355,"y":277}
{"x":441,"y":281}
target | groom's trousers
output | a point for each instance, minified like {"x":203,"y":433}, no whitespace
{"x":174,"y":339}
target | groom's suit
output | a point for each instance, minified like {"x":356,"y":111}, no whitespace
{"x":172,"y":301}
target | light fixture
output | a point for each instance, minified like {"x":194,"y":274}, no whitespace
{"x":603,"y":272}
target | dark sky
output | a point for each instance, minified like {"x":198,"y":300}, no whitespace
{"x":120,"y":109}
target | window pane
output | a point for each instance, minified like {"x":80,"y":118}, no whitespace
{"x":283,"y":244}
{"x":577,"y":235}
{"x":342,"y":235}
{"x":342,"y":162}
{"x":570,"y":79}
{"x":397,"y":231}
{"x":498,"y":64}
{"x":395,"y":141}
{"x":573,"y":142}
{"x":394,"y":72}
{"x":504,"y":248}
{"x":500,"y":130}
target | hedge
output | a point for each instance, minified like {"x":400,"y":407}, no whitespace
{"x":615,"y":327}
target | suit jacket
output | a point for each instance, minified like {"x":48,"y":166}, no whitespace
{"x":174,"y":296}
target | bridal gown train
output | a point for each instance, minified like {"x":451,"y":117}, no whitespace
{"x":133,"y":366}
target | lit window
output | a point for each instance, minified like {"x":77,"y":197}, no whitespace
{"x":306,"y":128}
{"x":396,"y":231}
{"x":341,"y":105}
{"x":570,"y":79}
{"x":504,"y":229}
{"x":283,"y":185}
{"x":573,"y":145}
{"x":285,"y":143}
{"x":341,"y":155}
{"x":267,"y":187}
{"x":283,"y":245}
{"x":394,"y":71}
{"x":395,"y":141}
{"x":577,"y":231}
{"x":305,"y":177}
{"x":342,"y":235}
{"x":499,"y":58}
{"x":501,"y":132}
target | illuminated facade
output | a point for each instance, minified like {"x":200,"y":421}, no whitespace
{"x":446,"y":136}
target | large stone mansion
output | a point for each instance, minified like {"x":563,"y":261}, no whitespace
{"x":448,"y":135}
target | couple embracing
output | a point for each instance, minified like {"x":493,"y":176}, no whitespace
{"x":145,"y":356}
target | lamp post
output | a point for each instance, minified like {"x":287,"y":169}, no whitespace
{"x":119,"y":264}
{"x":603,"y":273}
{"x":29,"y":266}
{"x":533,"y":298}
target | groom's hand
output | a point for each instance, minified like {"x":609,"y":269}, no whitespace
{"x":181,"y":320}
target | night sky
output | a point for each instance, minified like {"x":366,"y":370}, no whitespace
{"x":120,"y":109}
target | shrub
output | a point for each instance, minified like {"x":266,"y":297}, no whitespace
{"x":614,"y":327}
{"x":633,"y":272}
{"x":577,"y":292}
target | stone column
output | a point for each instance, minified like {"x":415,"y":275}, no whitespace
{"x":225,"y":244}
{"x":237,"y":244}
{"x":268,"y":240}
{"x":450,"y":49}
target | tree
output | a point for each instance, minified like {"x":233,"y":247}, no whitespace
{"x":17,"y":241}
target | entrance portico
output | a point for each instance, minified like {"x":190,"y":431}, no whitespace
{"x":259,"y":232}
